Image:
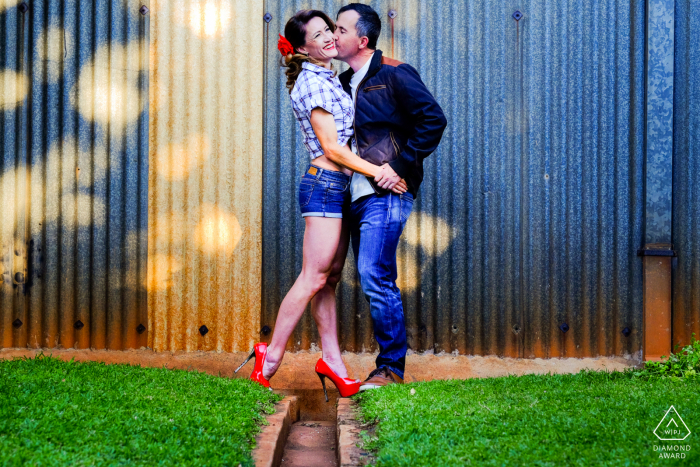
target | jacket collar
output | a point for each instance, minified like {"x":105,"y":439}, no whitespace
{"x":374,"y":67}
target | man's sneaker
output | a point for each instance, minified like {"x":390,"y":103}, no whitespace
{"x":380,"y":377}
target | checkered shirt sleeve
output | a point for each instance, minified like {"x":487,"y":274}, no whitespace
{"x":321,"y":90}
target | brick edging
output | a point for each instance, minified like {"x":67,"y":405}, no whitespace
{"x":269,"y":444}
{"x":348,"y":436}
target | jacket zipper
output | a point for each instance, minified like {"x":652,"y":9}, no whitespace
{"x":354,"y":128}
{"x":396,"y":146}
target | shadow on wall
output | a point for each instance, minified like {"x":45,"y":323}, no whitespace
{"x":73,"y":180}
{"x":80,"y":198}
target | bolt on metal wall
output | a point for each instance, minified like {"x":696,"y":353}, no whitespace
{"x":523,"y":238}
{"x":205,"y":198}
{"x":686,"y":173}
{"x":73,"y":173}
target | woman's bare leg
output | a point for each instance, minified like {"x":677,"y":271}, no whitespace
{"x":323,"y":309}
{"x":321,"y":239}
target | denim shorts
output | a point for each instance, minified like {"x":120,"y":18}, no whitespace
{"x":324,"y":193}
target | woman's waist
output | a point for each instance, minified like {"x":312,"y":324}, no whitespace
{"x":322,"y":168}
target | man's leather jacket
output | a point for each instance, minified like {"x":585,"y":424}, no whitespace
{"x":397,"y":120}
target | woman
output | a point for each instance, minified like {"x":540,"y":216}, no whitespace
{"x":325,"y":113}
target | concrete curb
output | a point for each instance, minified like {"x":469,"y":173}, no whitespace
{"x":348,"y":436}
{"x":269,"y":444}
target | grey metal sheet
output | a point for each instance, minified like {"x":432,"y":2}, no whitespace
{"x":531,"y":210}
{"x":73,"y":174}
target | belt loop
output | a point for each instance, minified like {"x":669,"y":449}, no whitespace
{"x":320,"y":172}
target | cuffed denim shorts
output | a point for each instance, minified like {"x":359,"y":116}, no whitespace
{"x":324,"y":193}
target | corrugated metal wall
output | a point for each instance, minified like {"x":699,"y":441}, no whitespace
{"x":686,"y":178}
{"x":73,"y":173}
{"x":205,"y":198}
{"x":531,"y":211}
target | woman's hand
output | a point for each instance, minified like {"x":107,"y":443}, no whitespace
{"x":400,"y":188}
{"x":387,"y":178}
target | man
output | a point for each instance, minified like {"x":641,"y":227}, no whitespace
{"x":397,"y":125}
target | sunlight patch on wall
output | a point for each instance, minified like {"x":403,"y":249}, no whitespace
{"x":162,"y":269}
{"x":13,"y":88}
{"x":107,"y":91}
{"x":6,"y":4}
{"x":205,"y":18}
{"x":63,"y":201}
{"x":56,"y":187}
{"x":408,"y":273}
{"x":55,"y":46}
{"x":7,"y":213}
{"x":165,"y":235}
{"x":431,"y":233}
{"x":175,"y":161}
{"x":218,"y":231}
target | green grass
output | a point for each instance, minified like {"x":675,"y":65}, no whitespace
{"x":544,"y":420}
{"x":67,"y":413}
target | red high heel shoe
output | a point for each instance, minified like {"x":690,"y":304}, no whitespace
{"x":259,"y":352}
{"x":346,"y":386}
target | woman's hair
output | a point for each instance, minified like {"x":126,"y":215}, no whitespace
{"x":295,"y":32}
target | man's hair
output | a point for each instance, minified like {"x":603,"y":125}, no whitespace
{"x":368,"y":24}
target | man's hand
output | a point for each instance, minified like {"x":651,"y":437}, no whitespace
{"x":387,"y":178}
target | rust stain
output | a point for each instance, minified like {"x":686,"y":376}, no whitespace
{"x":539,"y":349}
{"x":657,"y":307}
{"x":205,"y":186}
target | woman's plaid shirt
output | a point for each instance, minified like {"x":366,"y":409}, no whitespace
{"x":318,"y":87}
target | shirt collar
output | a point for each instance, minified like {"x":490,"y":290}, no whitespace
{"x":365,"y":68}
{"x":315,"y":68}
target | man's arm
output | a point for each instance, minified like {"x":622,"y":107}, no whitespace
{"x":429,"y":120}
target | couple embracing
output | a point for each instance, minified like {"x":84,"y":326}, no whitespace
{"x":367,"y":132}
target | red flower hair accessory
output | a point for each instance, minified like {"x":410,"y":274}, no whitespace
{"x":284,"y":46}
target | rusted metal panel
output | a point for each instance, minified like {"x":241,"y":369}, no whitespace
{"x":531,"y":211}
{"x":686,"y":173}
{"x":73,"y":174}
{"x":657,"y":307}
{"x":205,"y":197}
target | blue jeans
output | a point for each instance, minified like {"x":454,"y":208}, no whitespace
{"x":376,"y":223}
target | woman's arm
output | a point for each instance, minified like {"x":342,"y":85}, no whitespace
{"x":324,"y":126}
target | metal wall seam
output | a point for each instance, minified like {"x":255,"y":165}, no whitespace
{"x":530,"y":214}
{"x":205,"y":197}
{"x":73,"y":181}
{"x":686,"y":173}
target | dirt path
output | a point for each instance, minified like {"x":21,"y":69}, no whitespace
{"x":310,"y":444}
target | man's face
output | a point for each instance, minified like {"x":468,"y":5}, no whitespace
{"x":346,"y":40}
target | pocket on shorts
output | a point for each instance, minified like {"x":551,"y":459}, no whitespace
{"x":306,"y":189}
{"x":337,"y":187}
